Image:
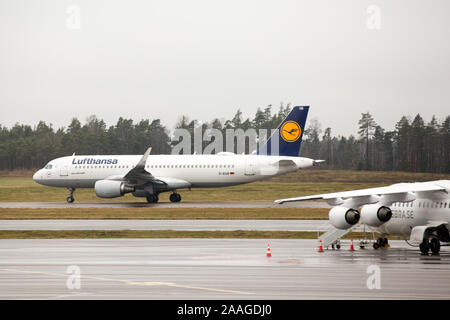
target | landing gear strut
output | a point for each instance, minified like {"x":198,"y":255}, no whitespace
{"x":175,"y":197}
{"x":70,"y":198}
{"x":152,"y":198}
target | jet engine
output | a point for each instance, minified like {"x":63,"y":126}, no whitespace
{"x":375,"y":215}
{"x":343,"y":217}
{"x":112,"y":189}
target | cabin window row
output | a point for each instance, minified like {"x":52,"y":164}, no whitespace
{"x":424,"y":204}
{"x":101,"y":167}
{"x":184,"y":166}
{"x":176,"y":166}
{"x":428,"y":204}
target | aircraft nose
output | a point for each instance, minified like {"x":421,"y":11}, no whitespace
{"x":37,"y":176}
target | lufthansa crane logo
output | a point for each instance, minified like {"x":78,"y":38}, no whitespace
{"x":290,"y":131}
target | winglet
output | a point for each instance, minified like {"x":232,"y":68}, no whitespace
{"x":143,"y":160}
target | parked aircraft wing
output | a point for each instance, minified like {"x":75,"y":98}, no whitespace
{"x":393,"y":189}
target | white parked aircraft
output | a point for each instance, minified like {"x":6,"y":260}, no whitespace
{"x":419,"y":211}
{"x":147,"y":176}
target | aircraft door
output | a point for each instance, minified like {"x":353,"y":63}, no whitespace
{"x":64,"y":171}
{"x":250,"y":166}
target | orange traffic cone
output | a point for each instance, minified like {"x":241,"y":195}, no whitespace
{"x":320,"y":247}
{"x":351,"y":246}
{"x":268,"y":254}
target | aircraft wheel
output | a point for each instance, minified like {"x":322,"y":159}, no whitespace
{"x":152,"y":198}
{"x":425,"y":246}
{"x":338,"y":246}
{"x":376,"y":245}
{"x":175,"y":197}
{"x":435,"y":245}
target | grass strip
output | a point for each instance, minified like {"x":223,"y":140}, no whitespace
{"x":165,"y":213}
{"x":148,"y":234}
{"x":18,"y":186}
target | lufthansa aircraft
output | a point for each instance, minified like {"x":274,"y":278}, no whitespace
{"x":148,"y":176}
{"x":419,"y":211}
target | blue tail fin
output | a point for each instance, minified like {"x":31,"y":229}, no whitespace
{"x":286,"y":140}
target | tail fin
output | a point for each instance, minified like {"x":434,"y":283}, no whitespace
{"x":287,"y":139}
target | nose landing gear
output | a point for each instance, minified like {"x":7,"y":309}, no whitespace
{"x":70,"y":198}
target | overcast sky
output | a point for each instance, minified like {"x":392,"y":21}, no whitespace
{"x":206,"y":58}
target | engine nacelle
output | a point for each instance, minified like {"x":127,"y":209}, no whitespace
{"x":343,"y":217}
{"x":111,"y":188}
{"x":375,"y":215}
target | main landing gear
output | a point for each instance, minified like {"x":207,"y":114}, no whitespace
{"x":70,"y":198}
{"x":434,"y":245}
{"x":175,"y":197}
{"x":381,"y":243}
{"x":152,"y":198}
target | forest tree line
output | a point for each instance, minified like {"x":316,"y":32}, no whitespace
{"x":415,"y":145}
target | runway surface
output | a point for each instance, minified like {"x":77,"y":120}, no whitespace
{"x":183,"y":225}
{"x":216,"y":269}
{"x":256,"y":204}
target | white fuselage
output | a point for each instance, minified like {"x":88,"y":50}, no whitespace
{"x":407,"y":215}
{"x":197,"y":170}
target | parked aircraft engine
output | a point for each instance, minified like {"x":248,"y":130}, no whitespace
{"x":343,"y":217}
{"x":112,"y":189}
{"x":375,"y":215}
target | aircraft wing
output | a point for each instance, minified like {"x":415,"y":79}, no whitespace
{"x":393,"y":189}
{"x":138,"y":175}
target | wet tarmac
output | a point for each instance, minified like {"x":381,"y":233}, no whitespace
{"x":181,"y":225}
{"x":216,"y":269}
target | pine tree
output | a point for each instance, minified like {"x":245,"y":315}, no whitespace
{"x":366,"y":129}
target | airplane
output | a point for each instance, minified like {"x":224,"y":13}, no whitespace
{"x":147,"y":176}
{"x":419,"y":211}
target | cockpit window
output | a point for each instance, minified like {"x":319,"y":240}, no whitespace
{"x":49,"y":166}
